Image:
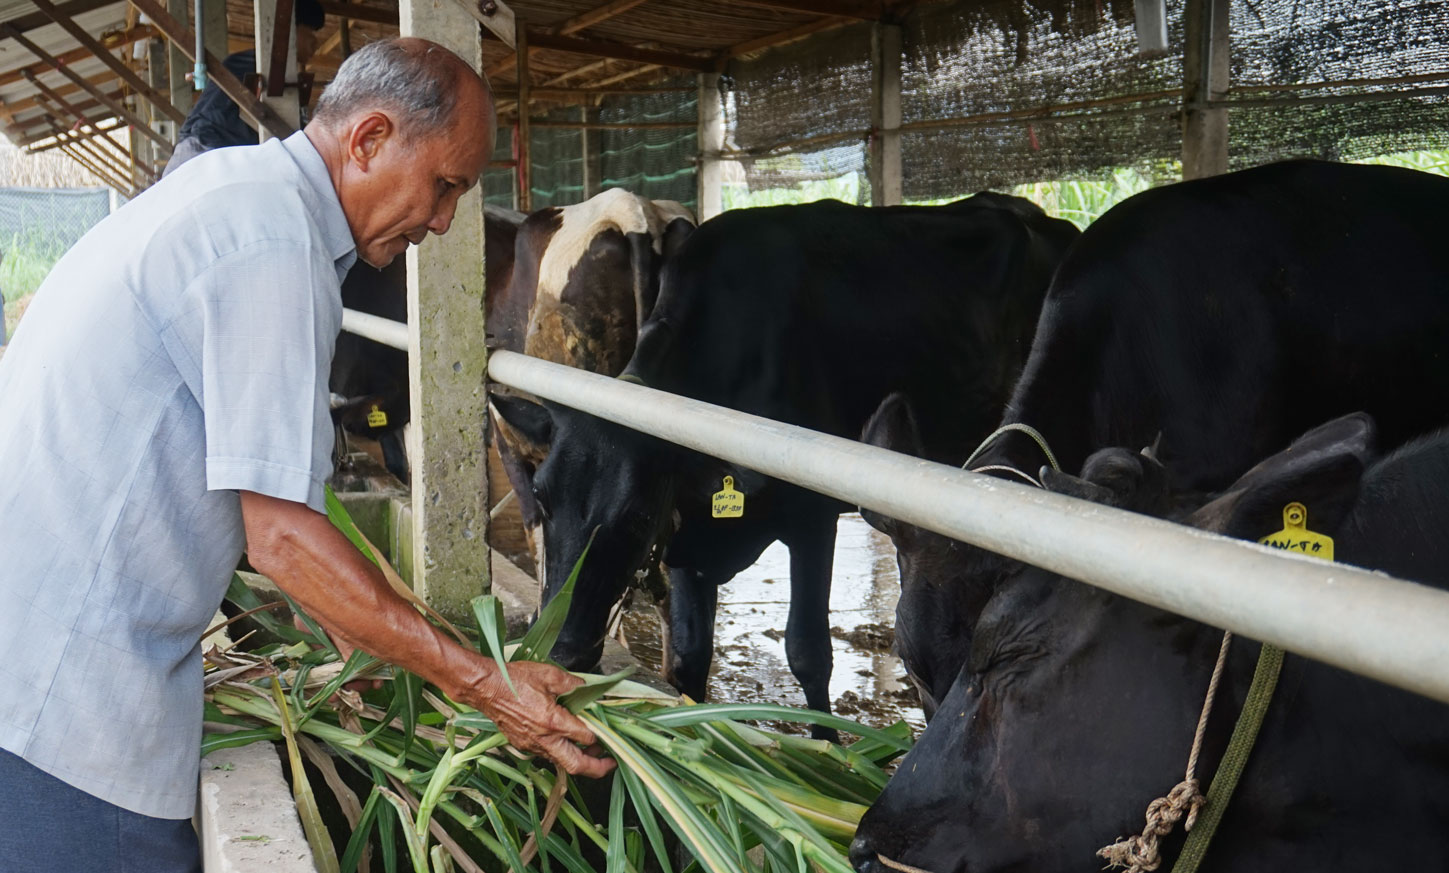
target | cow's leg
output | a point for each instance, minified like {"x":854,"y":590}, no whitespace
{"x":807,"y":634}
{"x":693,"y":596}
{"x":394,"y":454}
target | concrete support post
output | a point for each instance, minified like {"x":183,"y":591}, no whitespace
{"x":1205,"y":78}
{"x":287,"y":106}
{"x":885,"y":112}
{"x":524,"y":170}
{"x":216,"y":28}
{"x":157,"y":76}
{"x":446,"y":366}
{"x":590,"y":146}
{"x":709,"y":178}
{"x":177,"y":65}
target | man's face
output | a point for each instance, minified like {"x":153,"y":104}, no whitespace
{"x":407,"y":188}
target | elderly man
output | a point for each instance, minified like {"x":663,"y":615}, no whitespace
{"x":165,"y":405}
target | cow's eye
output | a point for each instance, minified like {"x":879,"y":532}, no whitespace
{"x":539,"y":501}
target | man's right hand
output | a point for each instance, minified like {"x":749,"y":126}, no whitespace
{"x":533,"y":721}
{"x":328,"y":577}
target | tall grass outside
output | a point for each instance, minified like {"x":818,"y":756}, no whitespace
{"x":27,"y":259}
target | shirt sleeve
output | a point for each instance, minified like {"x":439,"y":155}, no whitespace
{"x":271,"y":313}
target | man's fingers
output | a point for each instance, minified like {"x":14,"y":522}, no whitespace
{"x":572,"y":727}
{"x":572,"y":759}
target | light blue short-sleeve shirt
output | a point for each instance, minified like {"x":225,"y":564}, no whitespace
{"x":176,"y":355}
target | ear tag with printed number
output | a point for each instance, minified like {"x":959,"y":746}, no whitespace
{"x":728,"y":503}
{"x":376,"y":418}
{"x":1296,"y":537}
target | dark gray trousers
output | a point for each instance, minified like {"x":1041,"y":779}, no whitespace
{"x":46,"y":826}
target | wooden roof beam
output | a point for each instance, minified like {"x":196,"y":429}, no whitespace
{"x":34,"y":143}
{"x":358,"y":12}
{"x":26,"y":124}
{"x":10,"y":77}
{"x":786,"y":36}
{"x":75,"y":154}
{"x":82,"y":36}
{"x":258,"y":113}
{"x":10,"y":110}
{"x":140,"y":124}
{"x":84,"y":143}
{"x":872,"y":10}
{"x":582,"y":21}
{"x":620,"y":52}
{"x":26,"y":23}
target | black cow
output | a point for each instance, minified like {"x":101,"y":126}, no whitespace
{"x":1225,"y":316}
{"x":808,"y":315}
{"x":373,"y":377}
{"x":1077,"y":707}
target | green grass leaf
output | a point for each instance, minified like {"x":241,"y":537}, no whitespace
{"x":488,"y":610}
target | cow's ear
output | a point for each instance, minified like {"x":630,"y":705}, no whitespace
{"x":675,"y":233}
{"x":1321,"y":470}
{"x":1115,"y":477}
{"x":530,"y":420}
{"x":893,"y":427}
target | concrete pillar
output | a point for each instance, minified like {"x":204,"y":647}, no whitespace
{"x":884,"y":160}
{"x":182,"y":94}
{"x":1205,"y":77}
{"x":589,"y":145}
{"x":446,"y":365}
{"x":709,"y":178}
{"x":287,"y":106}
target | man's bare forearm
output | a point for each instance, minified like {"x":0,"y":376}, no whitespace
{"x":328,"y":577}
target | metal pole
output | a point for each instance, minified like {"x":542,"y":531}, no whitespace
{"x":382,"y":330}
{"x":1365,"y":622}
{"x":198,"y":72}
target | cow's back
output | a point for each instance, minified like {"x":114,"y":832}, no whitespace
{"x":1235,"y":312}
{"x":812,"y":314}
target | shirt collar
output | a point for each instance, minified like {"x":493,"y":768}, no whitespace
{"x":321,"y":197}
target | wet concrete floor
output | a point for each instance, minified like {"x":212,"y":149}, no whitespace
{"x":868,"y":682}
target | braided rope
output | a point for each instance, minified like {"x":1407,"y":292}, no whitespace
{"x":1020,"y":428}
{"x":897,"y":865}
{"x":1235,"y":759}
{"x":1006,"y":469}
{"x":1142,"y":853}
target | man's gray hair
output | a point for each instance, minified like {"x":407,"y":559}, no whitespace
{"x":418,"y":83}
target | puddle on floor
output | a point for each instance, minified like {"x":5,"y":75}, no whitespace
{"x":867,"y":684}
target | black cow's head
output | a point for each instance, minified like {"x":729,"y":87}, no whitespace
{"x":596,"y":479}
{"x":1076,"y":707}
{"x":946,"y":583}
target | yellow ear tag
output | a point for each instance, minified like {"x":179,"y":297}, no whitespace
{"x":728,"y":503}
{"x":376,"y":418}
{"x":1296,"y":537}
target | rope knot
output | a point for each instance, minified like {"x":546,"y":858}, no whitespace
{"x":1140,"y":854}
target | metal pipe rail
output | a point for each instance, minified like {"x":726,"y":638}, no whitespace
{"x":376,"y":328}
{"x":1369,"y":623}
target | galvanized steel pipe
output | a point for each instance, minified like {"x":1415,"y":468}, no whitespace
{"x":383,"y":330}
{"x":1369,"y":623}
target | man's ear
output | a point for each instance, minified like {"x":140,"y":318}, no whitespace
{"x":1321,"y":470}
{"x":366,"y":136}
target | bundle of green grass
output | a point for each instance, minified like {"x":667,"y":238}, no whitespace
{"x":696,"y":788}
